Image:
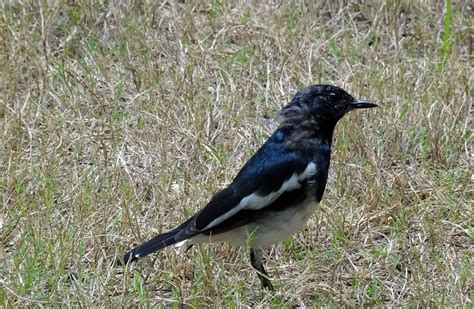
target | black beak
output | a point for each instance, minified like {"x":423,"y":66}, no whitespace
{"x":362,"y":104}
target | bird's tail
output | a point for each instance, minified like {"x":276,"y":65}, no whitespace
{"x":157,"y":243}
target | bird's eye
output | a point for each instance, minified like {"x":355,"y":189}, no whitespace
{"x":334,"y":96}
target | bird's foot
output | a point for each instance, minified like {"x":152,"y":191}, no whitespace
{"x":266,"y":282}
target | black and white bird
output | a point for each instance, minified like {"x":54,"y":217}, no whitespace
{"x":277,"y":190}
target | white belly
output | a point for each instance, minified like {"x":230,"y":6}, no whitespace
{"x":268,"y":231}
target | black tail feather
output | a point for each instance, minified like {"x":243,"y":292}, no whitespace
{"x":156,"y":243}
{"x":159,"y":242}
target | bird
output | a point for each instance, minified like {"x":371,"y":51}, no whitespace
{"x":277,"y":190}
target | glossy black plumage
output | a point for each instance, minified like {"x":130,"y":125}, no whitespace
{"x":274,"y":193}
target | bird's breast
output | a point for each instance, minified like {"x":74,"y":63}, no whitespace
{"x":279,"y":225}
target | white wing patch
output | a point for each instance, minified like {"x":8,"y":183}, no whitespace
{"x":181,"y":243}
{"x":255,"y":201}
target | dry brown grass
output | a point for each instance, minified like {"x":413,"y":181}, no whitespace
{"x":121,"y":119}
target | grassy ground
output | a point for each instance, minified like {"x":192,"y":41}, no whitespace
{"x":121,"y":120}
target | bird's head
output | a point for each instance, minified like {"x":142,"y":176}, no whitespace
{"x":320,"y":105}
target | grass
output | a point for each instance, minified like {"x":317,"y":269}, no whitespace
{"x":122,"y":119}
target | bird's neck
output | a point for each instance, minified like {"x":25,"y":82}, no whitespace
{"x":307,"y":135}
{"x":301,"y":123}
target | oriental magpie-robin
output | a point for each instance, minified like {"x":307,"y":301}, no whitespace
{"x":277,"y":190}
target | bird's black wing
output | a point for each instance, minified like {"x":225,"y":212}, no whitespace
{"x":273,"y":172}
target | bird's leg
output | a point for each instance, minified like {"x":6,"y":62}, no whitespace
{"x":256,"y":259}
